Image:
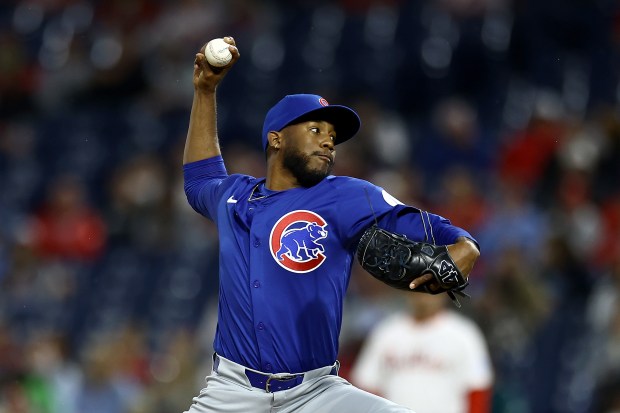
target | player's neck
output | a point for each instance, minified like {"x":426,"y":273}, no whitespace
{"x":426,"y":316}
{"x":279,"y":178}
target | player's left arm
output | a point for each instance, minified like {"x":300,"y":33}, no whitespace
{"x":394,"y":216}
{"x":464,"y":253}
{"x":424,"y":226}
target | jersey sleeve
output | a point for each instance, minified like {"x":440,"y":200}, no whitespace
{"x":425,"y":226}
{"x":203,"y":182}
{"x":366,"y":204}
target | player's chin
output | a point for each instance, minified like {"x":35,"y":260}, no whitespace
{"x":323,"y":164}
{"x":323,"y":172}
{"x":313,"y":176}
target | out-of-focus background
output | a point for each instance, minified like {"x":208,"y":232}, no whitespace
{"x":501,"y":115}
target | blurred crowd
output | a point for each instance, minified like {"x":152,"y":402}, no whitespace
{"x":501,"y":115}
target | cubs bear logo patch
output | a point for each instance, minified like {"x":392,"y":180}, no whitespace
{"x":296,"y":241}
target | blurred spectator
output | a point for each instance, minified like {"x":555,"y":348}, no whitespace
{"x":20,"y":172}
{"x":114,"y":364}
{"x":65,"y":226}
{"x":607,"y":169}
{"x":610,"y":228}
{"x":13,"y":396}
{"x":554,"y":371}
{"x":525,"y":154}
{"x":140,"y":204}
{"x":512,"y":310}
{"x":574,"y":214}
{"x":108,"y":386}
{"x":431,"y":359}
{"x":583,"y":147}
{"x":58,"y":379}
{"x":402,"y":183}
{"x":460,"y":199}
{"x":603,"y":316}
{"x":384,"y":138}
{"x":607,"y":397}
{"x":455,"y":139}
{"x":568,"y":271}
{"x":513,"y":222}
{"x":174,"y":375}
{"x":18,"y":75}
{"x":38,"y":295}
{"x":11,"y":362}
{"x":4,"y":258}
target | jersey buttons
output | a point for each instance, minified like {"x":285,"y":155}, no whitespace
{"x":256,"y":284}
{"x":260,"y":326}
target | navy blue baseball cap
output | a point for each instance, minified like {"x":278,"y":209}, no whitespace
{"x":296,"y":108}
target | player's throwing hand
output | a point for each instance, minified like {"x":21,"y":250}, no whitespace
{"x":207,"y":77}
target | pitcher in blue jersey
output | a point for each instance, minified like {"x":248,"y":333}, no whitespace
{"x":287,"y":244}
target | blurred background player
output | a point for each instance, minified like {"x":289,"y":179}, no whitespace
{"x":431,"y":359}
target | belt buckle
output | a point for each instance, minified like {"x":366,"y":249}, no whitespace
{"x":279,"y":378}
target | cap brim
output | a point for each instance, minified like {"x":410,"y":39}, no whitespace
{"x":346,"y":122}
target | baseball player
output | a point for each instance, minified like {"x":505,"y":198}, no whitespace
{"x":413,"y":356}
{"x":287,"y":244}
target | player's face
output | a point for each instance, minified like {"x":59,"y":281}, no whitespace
{"x":426,"y":305}
{"x":308,"y":151}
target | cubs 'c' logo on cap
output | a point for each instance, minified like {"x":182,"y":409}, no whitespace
{"x":295,"y":241}
{"x":323,"y":102}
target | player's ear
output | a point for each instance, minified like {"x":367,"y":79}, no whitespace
{"x":274,"y":140}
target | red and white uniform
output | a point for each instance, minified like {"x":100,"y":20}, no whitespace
{"x":440,"y":365}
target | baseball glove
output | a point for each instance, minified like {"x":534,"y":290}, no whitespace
{"x":396,"y":261}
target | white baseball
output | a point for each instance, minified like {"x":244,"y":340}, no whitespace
{"x":217,"y":53}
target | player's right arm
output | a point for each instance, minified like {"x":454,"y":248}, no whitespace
{"x":202,"y":140}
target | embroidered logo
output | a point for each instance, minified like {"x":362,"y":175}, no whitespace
{"x":447,"y":273}
{"x":296,"y":241}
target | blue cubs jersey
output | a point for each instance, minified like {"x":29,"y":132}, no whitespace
{"x":286,"y":257}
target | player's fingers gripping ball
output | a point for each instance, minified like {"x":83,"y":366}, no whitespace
{"x":396,"y":261}
{"x":217,"y":53}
